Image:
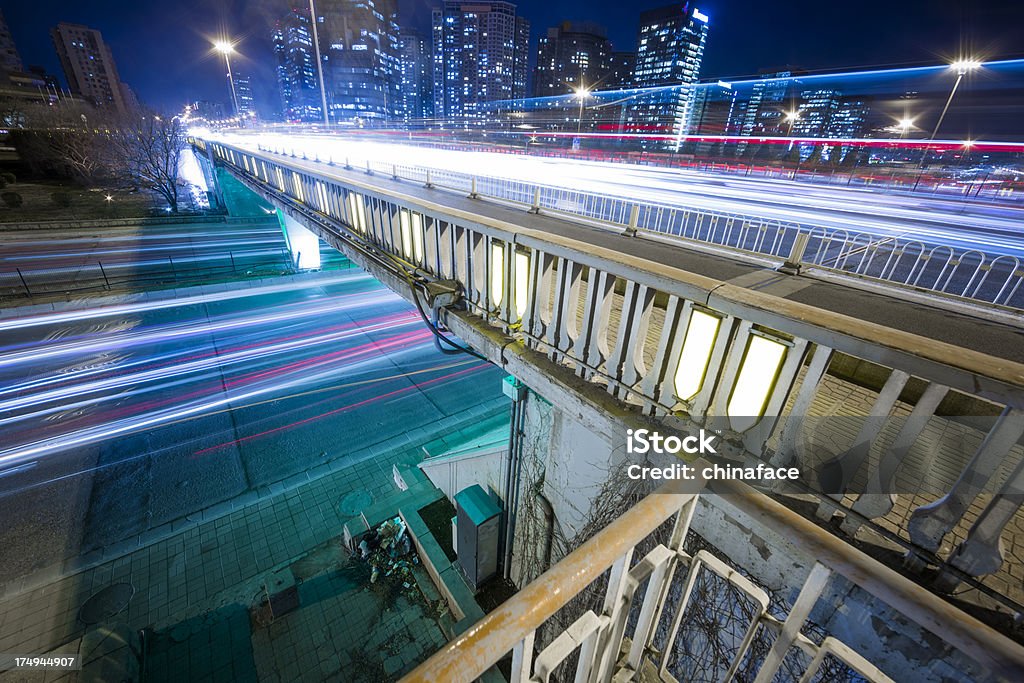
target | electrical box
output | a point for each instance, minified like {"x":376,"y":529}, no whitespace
{"x":477,"y":528}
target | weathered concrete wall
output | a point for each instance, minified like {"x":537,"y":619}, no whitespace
{"x":890,"y":640}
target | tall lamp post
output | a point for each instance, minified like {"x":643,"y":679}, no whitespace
{"x":582,"y":93}
{"x":319,"y":63}
{"x":962,"y":67}
{"x":226,"y":48}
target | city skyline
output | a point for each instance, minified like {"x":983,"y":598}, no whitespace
{"x":149,"y":31}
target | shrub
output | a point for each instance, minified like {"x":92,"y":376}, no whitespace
{"x":8,"y":178}
{"x":12,"y":199}
{"x":61,"y":198}
{"x":3,"y":183}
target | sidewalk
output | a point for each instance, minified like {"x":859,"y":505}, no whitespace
{"x":211,"y":565}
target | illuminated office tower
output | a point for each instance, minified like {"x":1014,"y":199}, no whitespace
{"x":417,"y":79}
{"x":480,"y":56}
{"x":243,"y":89}
{"x":570,"y":57}
{"x":359,"y":40}
{"x":669,"y":53}
{"x":297,"y":80}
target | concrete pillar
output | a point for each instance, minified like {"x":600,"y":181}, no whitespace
{"x":303,"y":244}
{"x":213,"y":188}
{"x":566,"y":466}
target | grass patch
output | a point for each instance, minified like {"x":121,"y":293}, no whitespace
{"x":438,"y":518}
{"x":78,"y":203}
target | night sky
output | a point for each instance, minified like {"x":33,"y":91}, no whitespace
{"x":161,"y":46}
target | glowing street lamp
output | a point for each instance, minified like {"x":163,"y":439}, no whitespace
{"x":962,"y":68}
{"x":582,"y":93}
{"x":226,"y":48}
{"x":791,"y":117}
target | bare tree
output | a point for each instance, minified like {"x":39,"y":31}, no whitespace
{"x":65,"y":139}
{"x":147,"y":149}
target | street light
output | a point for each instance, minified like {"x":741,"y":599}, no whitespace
{"x":582,"y":93}
{"x":226,"y":48}
{"x":320,"y":66}
{"x":792,"y":117}
{"x":962,"y":68}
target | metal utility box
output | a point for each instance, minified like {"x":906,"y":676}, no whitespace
{"x":478,"y":519}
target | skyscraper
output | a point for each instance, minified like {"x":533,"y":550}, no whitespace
{"x":669,"y":53}
{"x":359,"y":40}
{"x":417,"y":79}
{"x":10,"y":60}
{"x":88,"y":65}
{"x":480,"y":56}
{"x":825,"y":113}
{"x":297,"y":79}
{"x":571,"y":56}
{"x":243,"y":92}
{"x":771,"y":98}
{"x":623,"y":64}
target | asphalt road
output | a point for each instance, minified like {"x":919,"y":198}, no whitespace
{"x":99,"y":257}
{"x":116,"y":420}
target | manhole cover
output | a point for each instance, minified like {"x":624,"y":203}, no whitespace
{"x":354,"y":503}
{"x":106,"y":603}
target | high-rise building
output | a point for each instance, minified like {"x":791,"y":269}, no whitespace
{"x":771,"y":99}
{"x":361,"y":64}
{"x":620,"y":73}
{"x":10,"y":60}
{"x":572,"y":56}
{"x":480,"y":56}
{"x":359,"y":41}
{"x":88,"y":66}
{"x":825,"y":113}
{"x":417,"y":79}
{"x":243,"y":93}
{"x":297,"y":79}
{"x":669,"y":53}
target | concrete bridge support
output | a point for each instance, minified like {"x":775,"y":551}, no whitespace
{"x":303,"y":243}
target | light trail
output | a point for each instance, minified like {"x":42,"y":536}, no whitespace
{"x":171,"y":371}
{"x":433,"y":368}
{"x":236,"y":247}
{"x":64,"y":317}
{"x":995,"y":229}
{"x":175,"y":332}
{"x":42,"y":448}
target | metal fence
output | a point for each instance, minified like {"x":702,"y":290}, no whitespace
{"x":964,"y":273}
{"x":96,"y":276}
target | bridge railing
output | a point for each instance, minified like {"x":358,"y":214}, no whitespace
{"x":641,"y":628}
{"x":962,"y":273}
{"x":749,"y":365}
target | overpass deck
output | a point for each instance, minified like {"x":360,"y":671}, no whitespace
{"x":976,"y":327}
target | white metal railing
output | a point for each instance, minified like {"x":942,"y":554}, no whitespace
{"x":965,"y":273}
{"x":619,"y":639}
{"x":625,"y":325}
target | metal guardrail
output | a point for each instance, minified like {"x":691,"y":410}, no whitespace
{"x":622,"y":324}
{"x":965,"y":273}
{"x":610,"y":645}
{"x":131,"y":222}
{"x":95,"y":275}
